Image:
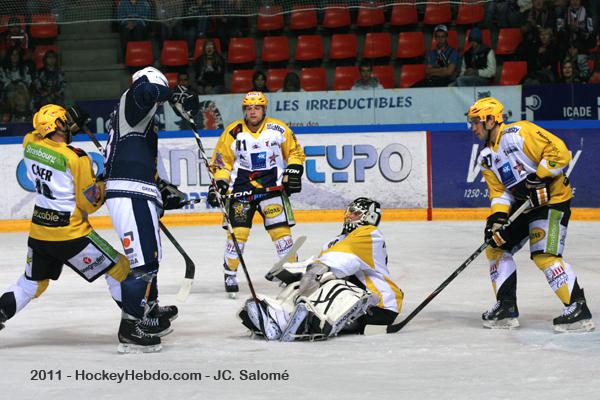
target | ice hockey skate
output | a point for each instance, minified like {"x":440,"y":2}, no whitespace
{"x":231,"y":284}
{"x":170,"y":312}
{"x":502,"y":315}
{"x":156,"y":326}
{"x":3,"y":319}
{"x":576,"y":317}
{"x":133,"y":339}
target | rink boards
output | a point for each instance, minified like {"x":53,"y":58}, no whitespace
{"x":416,"y":174}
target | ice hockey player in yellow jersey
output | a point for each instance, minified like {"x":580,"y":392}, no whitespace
{"x":256,"y":152}
{"x":344,"y":288}
{"x":522,"y":161}
{"x":60,"y":232}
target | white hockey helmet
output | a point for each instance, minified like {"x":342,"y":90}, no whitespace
{"x":362,"y":211}
{"x":153,"y":75}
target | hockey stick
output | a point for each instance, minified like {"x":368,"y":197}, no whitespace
{"x":190,"y":267}
{"x":184,"y":114}
{"x":371,"y":330}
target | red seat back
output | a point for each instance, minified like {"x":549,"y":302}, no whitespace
{"x":410,"y":45}
{"x":242,"y":50}
{"x":343,"y":46}
{"x":411,"y":74}
{"x":313,"y":79}
{"x":241,"y":80}
{"x":275,"y":49}
{"x":139,"y":54}
{"x":309,"y":47}
{"x":174,"y":53}
{"x":345,"y":77}
{"x":377,"y":44}
{"x":385,"y":75}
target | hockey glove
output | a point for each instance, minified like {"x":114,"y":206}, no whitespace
{"x":292,"y":178}
{"x":494,"y":234}
{"x":172,"y":197}
{"x":213,"y":197}
{"x":539,"y":190}
{"x":187,"y":99}
{"x":76,"y":119}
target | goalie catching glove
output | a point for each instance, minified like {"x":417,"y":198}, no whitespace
{"x":172,"y":197}
{"x":292,"y":178}
{"x":187,"y":99}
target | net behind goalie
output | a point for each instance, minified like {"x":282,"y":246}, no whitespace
{"x":344,"y":288}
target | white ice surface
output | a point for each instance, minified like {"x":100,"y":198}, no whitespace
{"x":443,"y":353}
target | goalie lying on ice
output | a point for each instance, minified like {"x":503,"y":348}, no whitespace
{"x":344,"y":288}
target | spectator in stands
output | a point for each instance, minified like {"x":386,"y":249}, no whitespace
{"x":233,"y":26}
{"x":210,"y":70}
{"x":575,"y":27}
{"x":291,"y":83}
{"x":442,"y":62}
{"x":579,"y":60}
{"x":541,"y":15}
{"x":16,"y":35}
{"x":169,"y":13}
{"x":569,"y":73}
{"x":595,"y":78}
{"x":49,"y":86}
{"x":542,"y":56}
{"x":479,"y":62}
{"x":506,"y":12}
{"x":259,"y":82}
{"x":366,"y":81}
{"x":132,"y":16}
{"x":15,"y":69}
{"x":197,"y":20}
{"x":19,"y":102}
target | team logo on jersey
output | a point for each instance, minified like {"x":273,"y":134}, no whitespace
{"x":127,"y":242}
{"x":556,"y":276}
{"x":536,"y":234}
{"x":510,"y":149}
{"x":240,"y":211}
{"x":272,"y":159}
{"x":92,"y":194}
{"x":259,"y":160}
{"x":493,"y":272}
{"x":506,"y":175}
{"x":276,"y":127}
{"x":87,"y":260}
{"x":272,"y":210}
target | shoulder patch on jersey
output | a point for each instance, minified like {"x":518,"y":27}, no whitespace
{"x":235,"y":130}
{"x":92,"y":194}
{"x":79,"y":152}
{"x":275,"y":127}
{"x":512,"y":129}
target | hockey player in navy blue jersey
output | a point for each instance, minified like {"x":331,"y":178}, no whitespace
{"x":136,"y":199}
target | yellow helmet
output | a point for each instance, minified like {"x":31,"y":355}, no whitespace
{"x":44,"y":121}
{"x":488,"y":106}
{"x":254,"y":99}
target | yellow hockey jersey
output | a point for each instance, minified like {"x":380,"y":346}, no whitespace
{"x":363,"y":253}
{"x":520,"y":149}
{"x":66,"y":189}
{"x":249,"y":160}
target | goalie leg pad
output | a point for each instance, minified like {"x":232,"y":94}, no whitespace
{"x":274,"y":317}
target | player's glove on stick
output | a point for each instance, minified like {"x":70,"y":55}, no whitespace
{"x":76,"y":118}
{"x":539,"y":190}
{"x":188,"y":100}
{"x":172,"y":197}
{"x":494,"y":231}
{"x":212,"y":197}
{"x":292,"y":178}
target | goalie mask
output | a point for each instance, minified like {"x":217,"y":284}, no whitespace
{"x":362,"y":211}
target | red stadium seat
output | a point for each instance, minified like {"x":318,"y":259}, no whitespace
{"x":303,"y":18}
{"x":172,"y":78}
{"x":275,"y":49}
{"x":270,"y":18}
{"x":336,"y":17}
{"x":385,"y":74}
{"x":370,"y":16}
{"x":242,"y":50}
{"x":139,"y":54}
{"x":199,"y":47}
{"x":309,"y":48}
{"x":469,"y":14}
{"x":343,"y":46}
{"x":377,"y":45}
{"x":241,"y":80}
{"x":452,"y":39}
{"x":38,"y":54}
{"x":513,"y":72}
{"x":313,"y":79}
{"x":43,"y":27}
{"x":345,"y":77}
{"x":487,"y":38}
{"x":410,"y":45}
{"x":174,"y":53}
{"x":508,"y":40}
{"x":275,"y":78}
{"x":4,"y":21}
{"x":403,"y":15}
{"x":411,"y":74}
{"x":437,"y":13}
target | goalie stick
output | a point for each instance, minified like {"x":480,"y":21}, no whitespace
{"x":178,"y":108}
{"x":190,"y":267}
{"x":371,"y":330}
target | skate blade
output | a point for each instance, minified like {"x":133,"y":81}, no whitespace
{"x":586,"y":325}
{"x":161,"y":333}
{"x":506,"y":323}
{"x":128,"y":348}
